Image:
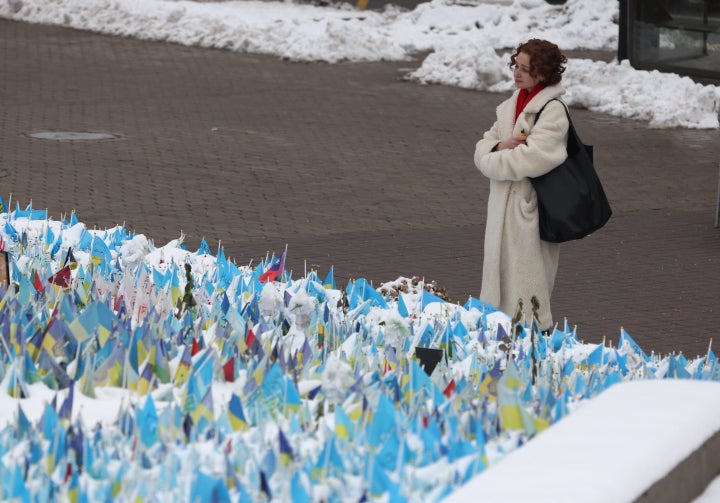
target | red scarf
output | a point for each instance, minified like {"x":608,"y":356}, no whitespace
{"x":524,"y":98}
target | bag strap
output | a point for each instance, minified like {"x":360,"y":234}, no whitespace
{"x":567,"y":112}
{"x":572,"y":134}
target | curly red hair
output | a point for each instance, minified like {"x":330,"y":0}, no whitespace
{"x":546,"y":60}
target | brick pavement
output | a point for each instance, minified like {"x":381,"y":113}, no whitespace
{"x":348,"y":165}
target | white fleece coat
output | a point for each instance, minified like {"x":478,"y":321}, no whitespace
{"x":517,"y":263}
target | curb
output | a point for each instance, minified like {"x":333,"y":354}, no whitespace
{"x":689,"y":478}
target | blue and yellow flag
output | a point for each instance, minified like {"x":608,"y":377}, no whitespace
{"x":344,"y":427}
{"x":184,"y":367}
{"x":511,"y":410}
{"x":329,"y":282}
{"x":286,"y":452}
{"x":147,"y":382}
{"x":236,"y":414}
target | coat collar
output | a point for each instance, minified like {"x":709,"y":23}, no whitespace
{"x":540,"y":98}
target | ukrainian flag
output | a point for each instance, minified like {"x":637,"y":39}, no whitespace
{"x":175,"y":286}
{"x":147,"y":380}
{"x":31,"y":372}
{"x":204,"y":410}
{"x":344,"y":427}
{"x":236,"y":415}
{"x":110,"y":372}
{"x":286,"y":452}
{"x":292,"y":397}
{"x":56,"y":449}
{"x":73,"y":487}
{"x":159,"y":362}
{"x":329,"y":282}
{"x":99,"y":252}
{"x":183,"y":369}
{"x":513,"y":415}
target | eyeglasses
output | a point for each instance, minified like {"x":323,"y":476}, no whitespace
{"x":521,"y":69}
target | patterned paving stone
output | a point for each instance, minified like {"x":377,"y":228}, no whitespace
{"x":348,"y":165}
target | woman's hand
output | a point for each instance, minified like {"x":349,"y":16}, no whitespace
{"x":512,"y":142}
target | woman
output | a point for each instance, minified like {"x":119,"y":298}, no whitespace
{"x":517,"y":263}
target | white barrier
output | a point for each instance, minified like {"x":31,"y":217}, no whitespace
{"x":638,"y":441}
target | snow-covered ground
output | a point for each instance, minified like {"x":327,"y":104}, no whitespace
{"x":464,"y":38}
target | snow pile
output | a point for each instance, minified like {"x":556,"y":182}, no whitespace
{"x":461,"y":37}
{"x":662,"y":99}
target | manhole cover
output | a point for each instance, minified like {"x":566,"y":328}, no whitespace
{"x":72,"y":136}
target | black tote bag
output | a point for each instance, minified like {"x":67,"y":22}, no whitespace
{"x":571,"y":199}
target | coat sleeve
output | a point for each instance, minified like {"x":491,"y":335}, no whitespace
{"x":488,"y":142}
{"x":545,"y":149}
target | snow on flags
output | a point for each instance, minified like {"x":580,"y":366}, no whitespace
{"x":401,"y":306}
{"x":429,"y":298}
{"x":626,"y":340}
{"x":513,"y":415}
{"x":11,"y":232}
{"x":361,"y":291}
{"x":204,"y":248}
{"x":234,"y":399}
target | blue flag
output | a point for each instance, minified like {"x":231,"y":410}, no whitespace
{"x":65,"y":411}
{"x":11,"y":232}
{"x":38,"y":215}
{"x":481,"y":306}
{"x":298,"y":493}
{"x":402,"y":308}
{"x":207,"y":488}
{"x":626,"y":339}
{"x":383,"y":421}
{"x":147,"y":420}
{"x":595,"y":358}
{"x":86,"y":240}
{"x":204,"y":248}
{"x":429,"y":298}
